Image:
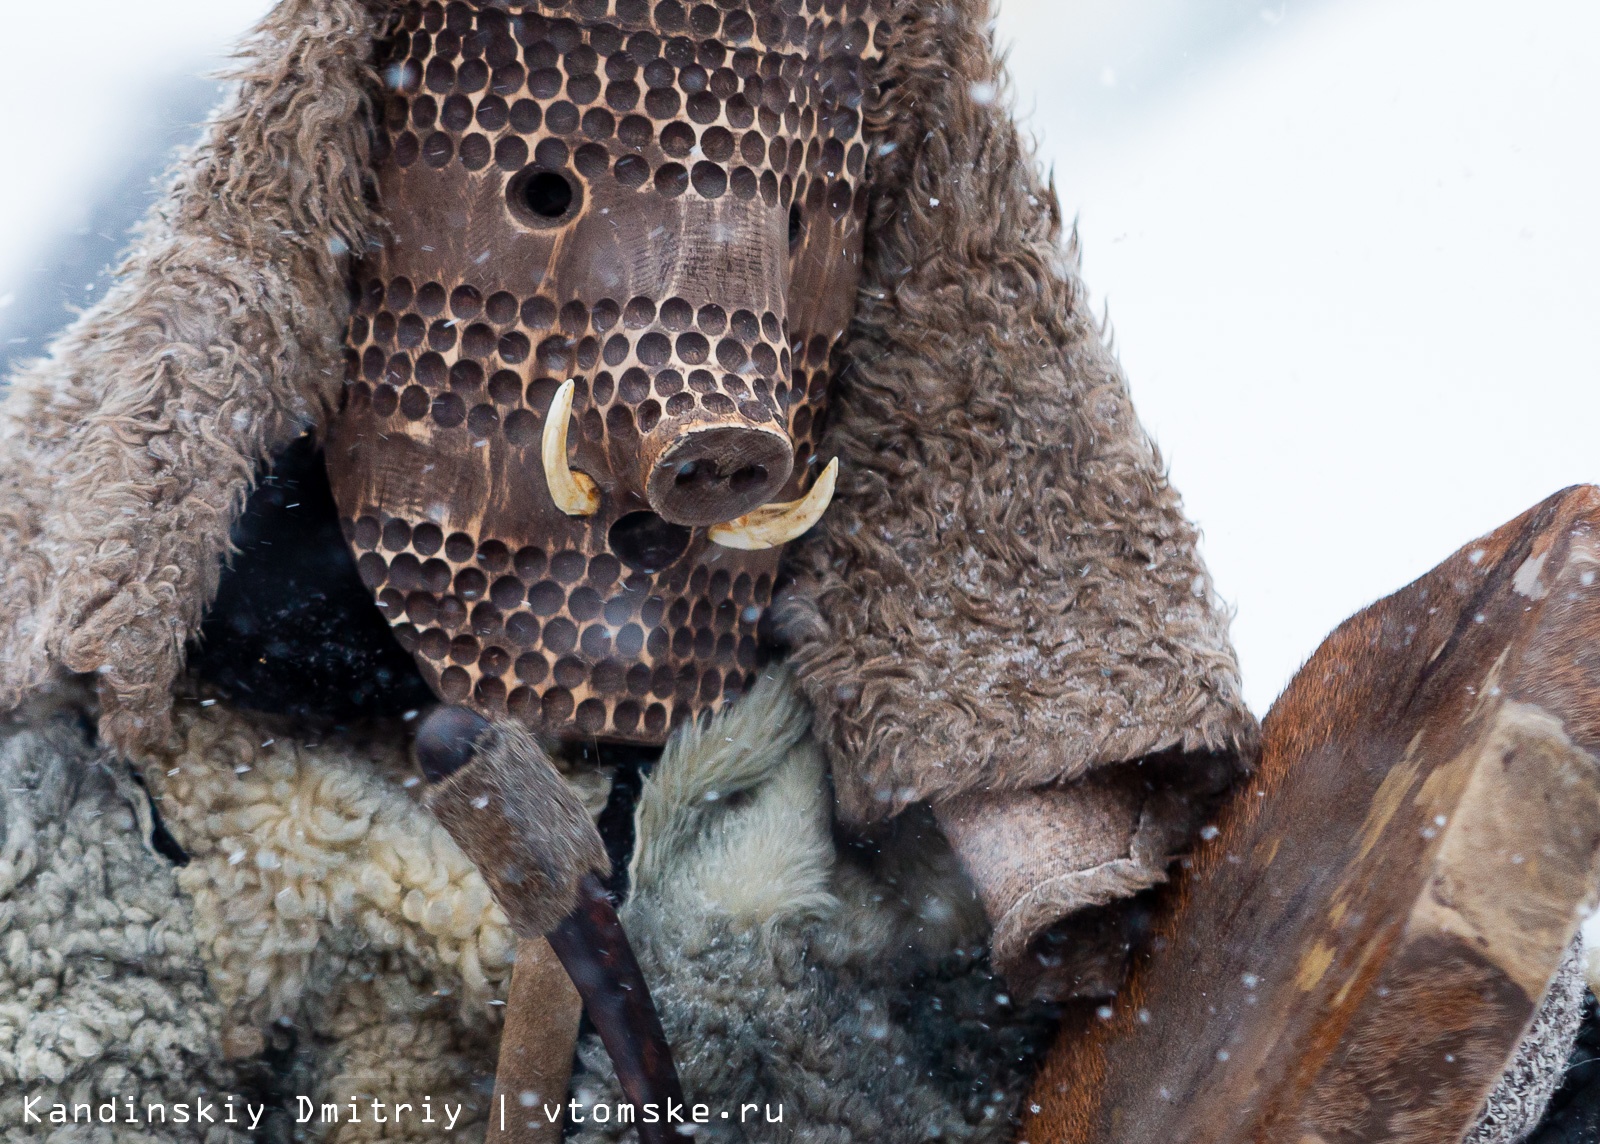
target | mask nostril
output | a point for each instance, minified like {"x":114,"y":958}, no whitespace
{"x":646,"y":543}
{"x":747,"y":478}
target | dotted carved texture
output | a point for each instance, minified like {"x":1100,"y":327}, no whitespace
{"x":705,"y":272}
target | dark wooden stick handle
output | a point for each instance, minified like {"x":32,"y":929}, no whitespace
{"x":594,"y":949}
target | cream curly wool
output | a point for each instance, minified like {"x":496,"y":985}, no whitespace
{"x":324,"y":896}
{"x":103,"y":994}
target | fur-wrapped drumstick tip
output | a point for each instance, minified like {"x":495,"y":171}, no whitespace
{"x":495,"y":791}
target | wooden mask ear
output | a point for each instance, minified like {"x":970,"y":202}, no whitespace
{"x":1005,"y":594}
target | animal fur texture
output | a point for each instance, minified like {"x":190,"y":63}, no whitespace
{"x":326,"y":938}
{"x":842,"y":984}
{"x":103,"y":990}
{"x":1005,"y":594}
{"x":128,"y":452}
{"x":523,"y":827}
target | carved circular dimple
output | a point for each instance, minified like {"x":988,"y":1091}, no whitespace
{"x":712,"y":318}
{"x":455,"y":684}
{"x":634,"y":386}
{"x":605,"y":314}
{"x":692,"y":348}
{"x":464,"y":648}
{"x":448,"y":410}
{"x":671,"y":179}
{"x":562,"y":118}
{"x":458,"y":113}
{"x":434,"y":644}
{"x":405,"y":572}
{"x":649,"y":415}
{"x":487,"y":621}
{"x":525,"y":116}
{"x":478,"y":340}
{"x":470,"y":584}
{"x":710,"y":180}
{"x":373,"y":568}
{"x":555,"y":707}
{"x":466,"y":375}
{"x":654,"y":348}
{"x":494,"y":661}
{"x":584,"y":603}
{"x":531,"y":667}
{"x":493,"y":555}
{"x":511,"y":153}
{"x":540,"y":392}
{"x":430,"y":299}
{"x":442,"y":335}
{"x":438,"y":149}
{"x":460,"y":547}
{"x":366,"y":533}
{"x":410,"y":331}
{"x":703,"y":107}
{"x":529,"y":563}
{"x":567,"y":566}
{"x":427,"y":538}
{"x":544,"y":83}
{"x":483,"y":421}
{"x":522,"y":428}
{"x":490,"y":693}
{"x":501,"y":308}
{"x":560,"y":635}
{"x":507,"y":592}
{"x":546,"y":598}
{"x":635,"y":131}
{"x":397,"y":371}
{"x":631,"y":171}
{"x":677,"y":140}
{"x":523,"y":630}
{"x":424,"y":112}
{"x":539,"y":313}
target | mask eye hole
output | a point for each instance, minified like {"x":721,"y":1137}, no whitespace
{"x":541,"y":197}
{"x":797,"y":226}
{"x":646,"y":543}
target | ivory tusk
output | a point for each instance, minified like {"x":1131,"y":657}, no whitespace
{"x":575,"y":493}
{"x":775,"y":524}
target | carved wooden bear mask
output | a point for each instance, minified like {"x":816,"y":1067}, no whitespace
{"x":588,"y":370}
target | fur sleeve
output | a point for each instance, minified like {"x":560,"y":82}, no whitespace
{"x":126,"y":453}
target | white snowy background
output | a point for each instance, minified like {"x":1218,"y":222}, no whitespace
{"x":1349,"y":249}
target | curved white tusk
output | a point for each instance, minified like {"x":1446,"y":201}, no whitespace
{"x":574,"y":493}
{"x":775,"y":524}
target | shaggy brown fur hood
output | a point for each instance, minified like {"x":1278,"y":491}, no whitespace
{"x":1004,"y":598}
